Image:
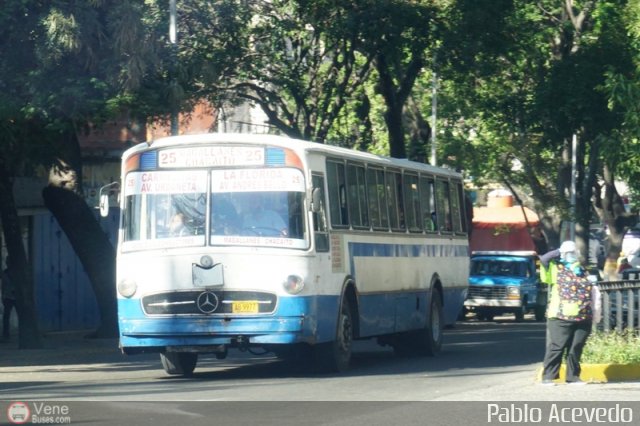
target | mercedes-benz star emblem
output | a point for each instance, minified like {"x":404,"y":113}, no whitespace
{"x":207,"y":302}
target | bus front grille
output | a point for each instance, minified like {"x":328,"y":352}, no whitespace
{"x":487,"y":292}
{"x":209,"y":302}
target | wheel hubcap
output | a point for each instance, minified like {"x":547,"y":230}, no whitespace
{"x":345,"y":336}
{"x":435,"y":324}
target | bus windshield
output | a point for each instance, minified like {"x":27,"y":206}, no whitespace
{"x":258,"y":207}
{"x":170,"y":209}
{"x":165,"y":209}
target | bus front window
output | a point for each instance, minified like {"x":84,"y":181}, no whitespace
{"x":164,"y":208}
{"x":258,"y":207}
{"x":257,"y":214}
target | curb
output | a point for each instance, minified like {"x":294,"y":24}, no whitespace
{"x":600,"y":373}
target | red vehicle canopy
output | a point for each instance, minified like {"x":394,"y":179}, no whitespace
{"x":503,"y":226}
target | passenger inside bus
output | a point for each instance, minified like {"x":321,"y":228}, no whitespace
{"x":177,"y":226}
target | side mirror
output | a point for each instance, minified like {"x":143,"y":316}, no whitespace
{"x":104,"y":197}
{"x":104,"y":205}
{"x":316,"y":200}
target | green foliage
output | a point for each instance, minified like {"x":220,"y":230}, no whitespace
{"x":298,"y":61}
{"x":612,"y":348}
{"x":518,"y":80}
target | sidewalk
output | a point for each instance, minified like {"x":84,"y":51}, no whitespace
{"x":61,"y":348}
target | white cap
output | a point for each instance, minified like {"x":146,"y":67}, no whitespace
{"x":567,"y":247}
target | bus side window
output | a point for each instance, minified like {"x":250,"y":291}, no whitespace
{"x":412,"y":203}
{"x":320,"y":233}
{"x":394,"y":200}
{"x":457,"y":206}
{"x":357,"y":194}
{"x":443,"y":206}
{"x":427,"y":204}
{"x":337,"y":194}
{"x":377,"y":199}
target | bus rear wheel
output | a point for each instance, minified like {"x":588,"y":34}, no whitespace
{"x":179,"y":363}
{"x":429,"y":339}
{"x":335,"y":356}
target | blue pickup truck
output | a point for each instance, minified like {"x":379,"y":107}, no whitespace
{"x":505,"y":282}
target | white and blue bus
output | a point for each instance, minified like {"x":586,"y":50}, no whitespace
{"x":265,"y":242}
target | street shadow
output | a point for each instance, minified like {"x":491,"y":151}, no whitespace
{"x":468,"y":346}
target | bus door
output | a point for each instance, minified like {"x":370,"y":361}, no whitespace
{"x":319,"y":212}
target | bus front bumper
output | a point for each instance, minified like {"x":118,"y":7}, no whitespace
{"x":296,"y":320}
{"x":212,"y":331}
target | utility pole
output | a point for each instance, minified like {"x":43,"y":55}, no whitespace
{"x":434,"y":113}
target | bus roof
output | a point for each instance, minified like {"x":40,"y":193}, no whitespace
{"x":285,"y":142}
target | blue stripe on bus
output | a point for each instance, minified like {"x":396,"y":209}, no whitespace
{"x":297,"y":319}
{"x":309,"y":319}
{"x":403,"y":315}
{"x":406,"y":250}
{"x":403,"y":250}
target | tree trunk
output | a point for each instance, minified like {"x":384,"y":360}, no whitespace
{"x":395,"y":96}
{"x":20,"y":271}
{"x":393,"y":119}
{"x":419,"y":133}
{"x":610,"y":209}
{"x":582,"y":208}
{"x":92,"y":246}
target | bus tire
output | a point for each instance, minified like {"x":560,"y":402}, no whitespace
{"x":429,"y":341}
{"x":335,"y":356}
{"x":179,"y":363}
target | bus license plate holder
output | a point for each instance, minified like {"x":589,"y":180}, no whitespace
{"x":245,"y":307}
{"x":203,"y":277}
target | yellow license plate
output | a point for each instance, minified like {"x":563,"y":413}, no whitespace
{"x":245,"y":307}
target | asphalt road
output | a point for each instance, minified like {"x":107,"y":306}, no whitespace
{"x":483,"y":363}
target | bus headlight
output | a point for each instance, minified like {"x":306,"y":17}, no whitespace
{"x":127,"y":288}
{"x":294,"y":284}
{"x":513,"y":292}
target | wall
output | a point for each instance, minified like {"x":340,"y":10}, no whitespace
{"x":64,"y":295}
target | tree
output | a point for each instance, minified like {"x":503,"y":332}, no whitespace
{"x":400,"y":56}
{"x":16,"y":59}
{"x":620,"y":151}
{"x":68,"y":64}
{"x":529,"y":83}
{"x":299,"y":63}
{"x":20,"y":271}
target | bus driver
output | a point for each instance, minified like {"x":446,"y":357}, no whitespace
{"x":259,"y":218}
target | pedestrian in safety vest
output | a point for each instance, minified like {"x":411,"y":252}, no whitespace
{"x":574,"y":305}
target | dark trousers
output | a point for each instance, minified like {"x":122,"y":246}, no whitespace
{"x":569,"y":336}
{"x":8,"y":305}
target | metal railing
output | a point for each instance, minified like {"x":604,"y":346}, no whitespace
{"x":620,"y":302}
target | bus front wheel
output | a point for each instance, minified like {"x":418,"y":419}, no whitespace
{"x":335,"y":356}
{"x":179,"y":363}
